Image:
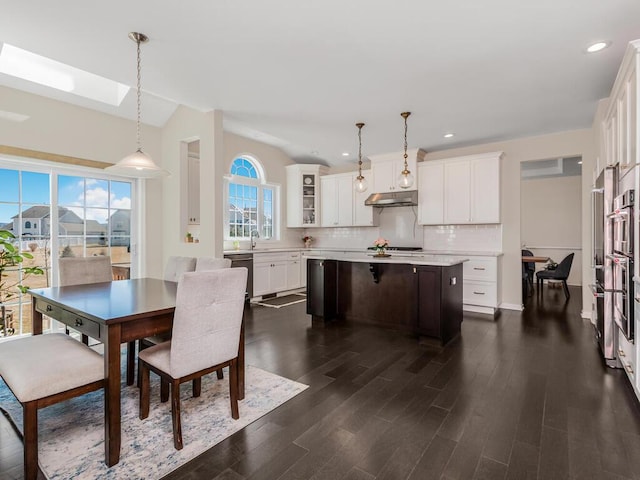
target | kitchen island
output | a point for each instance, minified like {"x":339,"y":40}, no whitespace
{"x":419,"y":294}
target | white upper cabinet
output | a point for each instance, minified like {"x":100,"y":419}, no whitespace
{"x":193,"y":194}
{"x":463,"y":190}
{"x":431,"y":193}
{"x":386,"y":169}
{"x":342,"y":206}
{"x":619,"y":135}
{"x":303,"y":195}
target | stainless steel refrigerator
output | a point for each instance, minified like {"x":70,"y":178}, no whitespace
{"x":602,"y":206}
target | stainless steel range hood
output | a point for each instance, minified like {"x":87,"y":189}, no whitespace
{"x":405,"y":198}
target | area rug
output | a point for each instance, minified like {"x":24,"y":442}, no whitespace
{"x":284,"y":301}
{"x":71,"y":437}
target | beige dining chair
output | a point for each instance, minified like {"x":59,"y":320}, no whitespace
{"x":176,"y":266}
{"x":42,"y":370}
{"x":205,"y":337}
{"x":204,"y":264}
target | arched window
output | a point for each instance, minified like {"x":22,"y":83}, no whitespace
{"x":251,"y":201}
{"x":27,"y":224}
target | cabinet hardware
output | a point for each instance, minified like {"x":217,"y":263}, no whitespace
{"x":478,"y":268}
{"x":49,"y":308}
{"x":629,"y":368}
{"x":621,"y":352}
{"x":78,"y":322}
{"x":478,"y":293}
{"x":415,"y":270}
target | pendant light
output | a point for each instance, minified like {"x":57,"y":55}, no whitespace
{"x":360,"y":182}
{"x":405,"y":180}
{"x":138,"y":164}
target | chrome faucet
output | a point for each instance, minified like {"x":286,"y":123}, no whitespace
{"x":254,"y":235}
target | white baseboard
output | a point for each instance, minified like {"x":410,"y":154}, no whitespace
{"x":587,"y":315}
{"x":512,"y":306}
{"x":478,"y":309}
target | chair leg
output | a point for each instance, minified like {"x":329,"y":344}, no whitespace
{"x":566,"y":289}
{"x":197,"y":386}
{"x":143,"y":372}
{"x":30,"y":419}
{"x":233,"y":388}
{"x":175,"y":414}
{"x":131,"y":362}
{"x":220,"y":374}
{"x":164,"y":390}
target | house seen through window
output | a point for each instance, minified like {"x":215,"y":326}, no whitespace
{"x":251,"y":202}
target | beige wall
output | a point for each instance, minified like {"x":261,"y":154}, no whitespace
{"x":551,"y":217}
{"x":60,"y":128}
{"x":564,"y":144}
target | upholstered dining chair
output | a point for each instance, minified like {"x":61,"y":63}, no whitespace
{"x":561,"y":273}
{"x":204,"y":264}
{"x":42,"y":370}
{"x":205,"y":337}
{"x":529,"y":268}
{"x":176,"y":266}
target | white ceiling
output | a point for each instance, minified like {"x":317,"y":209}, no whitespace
{"x":300,"y":74}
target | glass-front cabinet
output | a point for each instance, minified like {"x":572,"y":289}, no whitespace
{"x":303,"y":195}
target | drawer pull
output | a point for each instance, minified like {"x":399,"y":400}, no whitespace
{"x":478,"y":293}
{"x":478,"y":268}
{"x":629,"y":368}
{"x":621,"y":352}
{"x":49,"y":308}
{"x":78,"y":322}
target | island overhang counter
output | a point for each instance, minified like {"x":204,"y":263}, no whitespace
{"x":419,"y":294}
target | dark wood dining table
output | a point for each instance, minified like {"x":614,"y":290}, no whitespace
{"x":535,"y":259}
{"x":115,"y":313}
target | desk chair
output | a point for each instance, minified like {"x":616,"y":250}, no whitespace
{"x":529,"y":269}
{"x":560,"y":273}
{"x":205,"y":337}
{"x":42,"y":370}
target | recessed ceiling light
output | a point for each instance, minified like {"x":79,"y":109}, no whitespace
{"x":579,"y":162}
{"x":596,"y":47}
{"x":345,"y":154}
{"x":448,"y":135}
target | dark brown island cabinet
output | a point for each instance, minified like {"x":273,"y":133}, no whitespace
{"x":421,"y":299}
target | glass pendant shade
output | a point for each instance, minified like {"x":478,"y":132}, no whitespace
{"x":138,"y":164}
{"x":405,"y":179}
{"x":360,"y":184}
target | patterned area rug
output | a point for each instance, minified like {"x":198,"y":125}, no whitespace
{"x":71,"y":440}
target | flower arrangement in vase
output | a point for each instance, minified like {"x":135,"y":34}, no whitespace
{"x":307,"y":240}
{"x":380,"y":245}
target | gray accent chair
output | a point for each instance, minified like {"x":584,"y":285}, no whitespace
{"x":42,"y":370}
{"x":205,"y":338}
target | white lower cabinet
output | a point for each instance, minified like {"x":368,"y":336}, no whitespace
{"x":275,"y":272}
{"x":481,"y":286}
{"x":627,"y":357}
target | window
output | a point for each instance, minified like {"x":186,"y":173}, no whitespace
{"x":81,"y":216}
{"x":250,"y":202}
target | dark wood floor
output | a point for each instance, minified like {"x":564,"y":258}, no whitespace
{"x":524,"y":397}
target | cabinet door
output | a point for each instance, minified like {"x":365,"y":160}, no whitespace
{"x":345,"y":189}
{"x":429,"y":311}
{"x":632,"y":120}
{"x":485,"y":191}
{"x":457,"y":192}
{"x":364,"y":216}
{"x":303,"y":270}
{"x":384,"y":177}
{"x":293,"y":274}
{"x":193,"y":196}
{"x":278,"y":276}
{"x":261,"y":273}
{"x":431,"y":194}
{"x":329,"y":201}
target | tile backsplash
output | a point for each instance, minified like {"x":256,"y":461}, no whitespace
{"x":463,"y":238}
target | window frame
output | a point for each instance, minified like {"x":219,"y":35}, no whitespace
{"x":261,"y":184}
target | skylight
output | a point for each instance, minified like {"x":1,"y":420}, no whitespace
{"x":35,"y":68}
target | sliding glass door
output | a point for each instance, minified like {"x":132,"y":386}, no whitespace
{"x":57,"y":214}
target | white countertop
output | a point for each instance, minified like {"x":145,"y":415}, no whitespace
{"x":413,"y":259}
{"x":313,"y":251}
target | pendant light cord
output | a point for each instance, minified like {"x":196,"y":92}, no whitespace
{"x":360,"y":125}
{"x":406,"y":115}
{"x":139,"y":103}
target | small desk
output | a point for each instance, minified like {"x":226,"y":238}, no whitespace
{"x":115,"y":313}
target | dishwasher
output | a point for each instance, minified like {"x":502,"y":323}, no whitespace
{"x":243,"y":260}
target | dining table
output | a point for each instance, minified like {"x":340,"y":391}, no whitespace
{"x":535,"y":259}
{"x":114,"y":313}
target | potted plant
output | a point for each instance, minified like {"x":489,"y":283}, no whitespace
{"x":307,"y":240}
{"x":380,"y":245}
{"x":189,"y":237}
{"x":11,"y":285}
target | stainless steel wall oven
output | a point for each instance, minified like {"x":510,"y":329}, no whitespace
{"x":622,"y":217}
{"x":623,"y":295}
